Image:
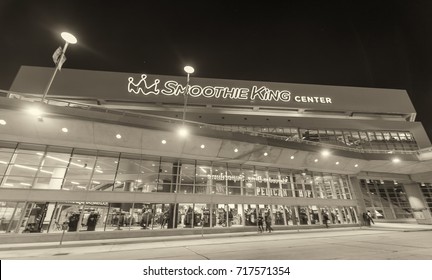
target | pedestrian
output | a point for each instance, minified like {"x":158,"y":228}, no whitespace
{"x":370,"y":218}
{"x":367,"y":220}
{"x":325,"y":219}
{"x":268,"y":221}
{"x":260,"y":223}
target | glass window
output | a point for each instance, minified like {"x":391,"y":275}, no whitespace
{"x":219,"y":179}
{"x":250,"y":212}
{"x":274,"y":183}
{"x":5,"y":158}
{"x":286,"y":184}
{"x":261,"y":180}
{"x":10,"y":213}
{"x":250,"y":182}
{"x":203,"y":178}
{"x":234,"y":180}
{"x":168,"y":173}
{"x":327,"y":187}
{"x":298,"y":185}
{"x":80,"y":170}
{"x":187,"y":178}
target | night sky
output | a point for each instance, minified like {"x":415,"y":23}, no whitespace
{"x":383,"y":44}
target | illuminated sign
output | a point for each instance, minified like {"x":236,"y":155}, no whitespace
{"x":262,"y":93}
{"x":242,"y":178}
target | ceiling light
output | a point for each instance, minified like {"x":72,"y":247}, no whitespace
{"x":64,"y":129}
{"x":183,"y":132}
{"x":356,"y":165}
{"x":337,"y":162}
{"x":316,"y":160}
{"x":164,"y":141}
{"x":235,"y":150}
{"x":325,"y":153}
{"x":2,"y":122}
{"x":202,"y":146}
{"x":118,"y":136}
{"x":35,"y":111}
{"x":396,"y":160}
{"x":265,"y":154}
{"x":292,"y":157}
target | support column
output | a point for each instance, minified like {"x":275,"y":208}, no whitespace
{"x":357,"y":195}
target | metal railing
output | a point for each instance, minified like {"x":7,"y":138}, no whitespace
{"x":30,"y":97}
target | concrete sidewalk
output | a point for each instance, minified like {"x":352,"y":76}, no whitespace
{"x":403,"y":227}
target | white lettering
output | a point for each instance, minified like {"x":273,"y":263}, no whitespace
{"x":173,"y":88}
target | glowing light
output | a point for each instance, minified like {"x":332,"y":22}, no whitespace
{"x":236,"y":150}
{"x":265,"y":154}
{"x":64,"y":129}
{"x":337,"y":162}
{"x":183,"y":132}
{"x":292,"y":157}
{"x":118,"y":136}
{"x":164,"y":142}
{"x":202,"y":146}
{"x":35,"y":111}
{"x":396,"y":160}
{"x":316,"y":160}
{"x":325,"y":153}
{"x":356,"y":165}
{"x":71,"y":39}
{"x":2,"y":122}
{"x":189,"y":69}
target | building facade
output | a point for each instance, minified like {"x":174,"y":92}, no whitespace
{"x":103,"y":154}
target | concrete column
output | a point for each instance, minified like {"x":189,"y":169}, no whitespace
{"x":357,"y":195}
{"x":415,"y":198}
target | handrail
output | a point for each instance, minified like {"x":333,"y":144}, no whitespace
{"x":78,"y":105}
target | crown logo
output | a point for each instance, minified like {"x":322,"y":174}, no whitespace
{"x":142,"y":86}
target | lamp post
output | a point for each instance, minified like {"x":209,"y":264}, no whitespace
{"x":69,"y":39}
{"x":189,"y":70}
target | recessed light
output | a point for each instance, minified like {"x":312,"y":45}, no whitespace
{"x":325,"y":153}
{"x":337,"y":162}
{"x":64,"y":129}
{"x":292,"y":157}
{"x":35,"y":111}
{"x":265,"y":154}
{"x":356,"y":165}
{"x":316,"y":160}
{"x":396,"y":160}
{"x":183,"y":132}
{"x":235,"y":150}
{"x":202,"y":146}
{"x":164,"y":141}
{"x":2,"y":122}
{"x":118,"y":136}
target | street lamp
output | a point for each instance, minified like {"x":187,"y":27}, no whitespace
{"x":189,"y":70}
{"x":59,"y":58}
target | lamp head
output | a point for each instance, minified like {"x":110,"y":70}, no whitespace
{"x":71,"y":39}
{"x":189,"y":69}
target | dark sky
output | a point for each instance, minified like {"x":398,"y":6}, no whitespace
{"x":383,"y":44}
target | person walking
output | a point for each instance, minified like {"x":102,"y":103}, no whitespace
{"x":369,"y":215}
{"x":325,"y":219}
{"x":260,"y":223}
{"x":268,"y":221}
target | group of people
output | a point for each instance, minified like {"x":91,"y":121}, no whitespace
{"x":267,"y":219}
{"x":367,"y":218}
